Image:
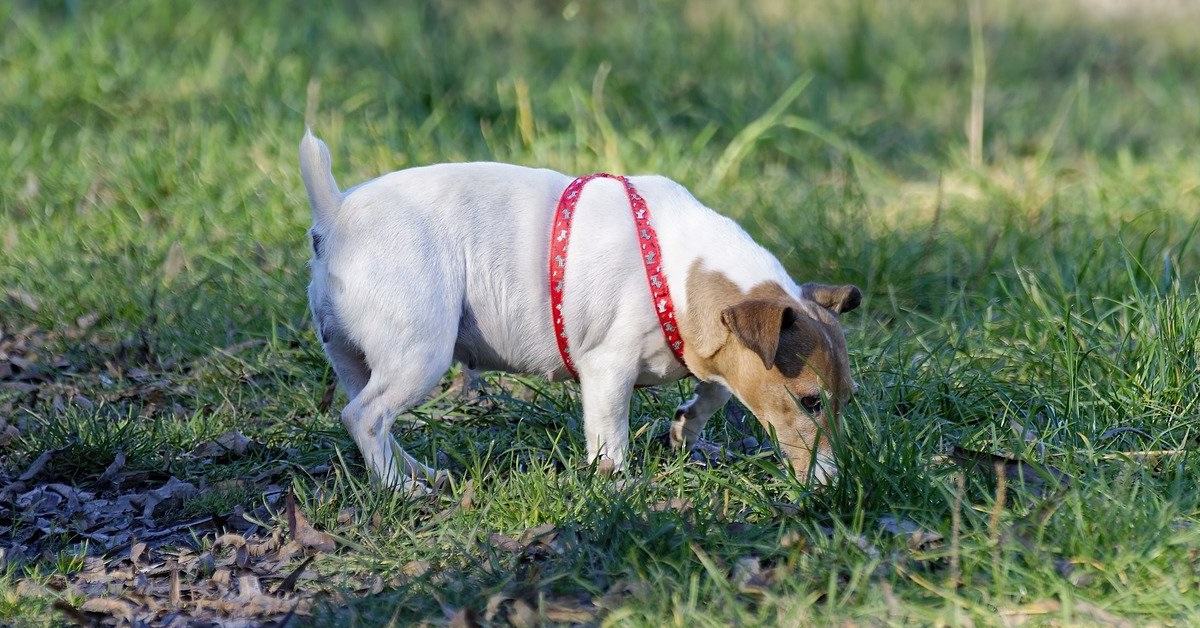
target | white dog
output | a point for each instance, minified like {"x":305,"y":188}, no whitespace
{"x":424,"y":266}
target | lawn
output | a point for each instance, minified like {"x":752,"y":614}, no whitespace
{"x":1014,"y":185}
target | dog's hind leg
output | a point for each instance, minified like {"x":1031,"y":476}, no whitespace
{"x":691,"y":417}
{"x":398,"y":380}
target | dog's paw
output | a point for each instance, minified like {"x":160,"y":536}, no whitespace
{"x":440,"y":483}
{"x":414,"y":488}
{"x":679,"y":436}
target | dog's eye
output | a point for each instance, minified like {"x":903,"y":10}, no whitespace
{"x":812,"y":403}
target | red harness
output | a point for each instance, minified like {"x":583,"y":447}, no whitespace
{"x":651,"y":259}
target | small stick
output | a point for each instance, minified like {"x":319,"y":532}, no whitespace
{"x":960,"y":484}
{"x":994,"y":520}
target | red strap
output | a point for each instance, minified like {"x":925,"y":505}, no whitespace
{"x":560,"y":235}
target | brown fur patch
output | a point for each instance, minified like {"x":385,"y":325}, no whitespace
{"x":772,"y":352}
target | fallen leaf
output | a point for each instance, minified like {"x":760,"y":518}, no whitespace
{"x":174,"y":489}
{"x":106,"y":606}
{"x":303,"y":533}
{"x":24,"y":298}
{"x":505,"y":543}
{"x":416,"y":568}
{"x":621,"y":591}
{"x":289,"y":583}
{"x":918,"y":537}
{"x":463,"y":618}
{"x":678,"y":504}
{"x":568,"y":611}
{"x":230,"y":444}
{"x":110,"y":472}
{"x":468,"y":495}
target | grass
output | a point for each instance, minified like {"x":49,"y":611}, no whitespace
{"x":1040,"y":304}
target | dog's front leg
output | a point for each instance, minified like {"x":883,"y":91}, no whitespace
{"x":691,"y":417}
{"x":606,"y":392}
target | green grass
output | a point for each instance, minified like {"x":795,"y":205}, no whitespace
{"x":1041,"y":305}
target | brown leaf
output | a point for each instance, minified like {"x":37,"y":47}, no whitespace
{"x":569,"y":611}
{"x":221,"y":578}
{"x":230,"y":444}
{"x":793,"y":538}
{"x":464,"y":618}
{"x":416,"y":568}
{"x":494,"y":605}
{"x":621,"y":591}
{"x":40,"y":463}
{"x":918,"y":537}
{"x":522,"y":615}
{"x":327,"y":396}
{"x":468,"y":495}
{"x":543,"y":533}
{"x":176,"y":596}
{"x":87,"y":320}
{"x":74,"y":614}
{"x":249,"y":587}
{"x":174,"y":490}
{"x":303,"y":533}
{"x":116,"y":609}
{"x":24,"y":298}
{"x":289,"y":583}
{"x":135,"y":552}
{"x":505,"y":543}
{"x":110,"y":472}
{"x":677,"y":504}
{"x":749,"y":577}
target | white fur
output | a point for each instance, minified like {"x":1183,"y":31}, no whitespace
{"x":424,"y":266}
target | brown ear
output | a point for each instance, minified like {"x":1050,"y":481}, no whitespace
{"x":837,"y":298}
{"x":757,"y":324}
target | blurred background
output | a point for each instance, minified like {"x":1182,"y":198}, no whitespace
{"x":147,"y":149}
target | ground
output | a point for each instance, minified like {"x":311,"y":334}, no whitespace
{"x":1012,"y":184}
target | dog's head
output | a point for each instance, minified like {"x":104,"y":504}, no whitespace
{"x":785,"y":358}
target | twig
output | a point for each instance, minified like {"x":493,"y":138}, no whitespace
{"x":994,"y":519}
{"x":960,"y":487}
{"x":1143,"y":454}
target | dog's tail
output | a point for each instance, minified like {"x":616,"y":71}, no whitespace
{"x":316,"y":169}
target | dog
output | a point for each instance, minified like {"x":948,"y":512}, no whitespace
{"x":429,"y":265}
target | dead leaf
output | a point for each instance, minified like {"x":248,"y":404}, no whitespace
{"x":468,"y":495}
{"x":302,"y":532}
{"x":135,"y":553}
{"x":230,"y":444}
{"x":494,"y":604}
{"x":678,"y":504}
{"x":522,"y":615}
{"x":621,"y":591}
{"x":327,"y":396}
{"x":746,"y":575}
{"x":568,"y":611}
{"x":24,"y":298}
{"x":176,"y":595}
{"x":416,"y":568}
{"x":86,"y":321}
{"x":463,"y":618}
{"x":116,"y":609}
{"x":110,"y":472}
{"x":173,"y":264}
{"x":505,"y":543}
{"x":918,"y":537}
{"x":174,"y":489}
{"x":289,"y":583}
